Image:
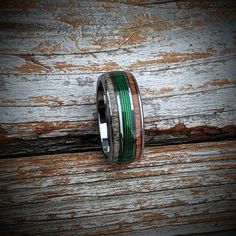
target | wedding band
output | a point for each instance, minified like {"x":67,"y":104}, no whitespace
{"x":120,"y":116}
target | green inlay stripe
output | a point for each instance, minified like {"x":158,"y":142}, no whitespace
{"x":127,"y":122}
{"x":121,"y":87}
{"x":126,"y":114}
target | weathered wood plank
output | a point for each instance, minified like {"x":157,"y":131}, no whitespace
{"x":145,"y":58}
{"x":60,"y":27}
{"x":37,"y":109}
{"x":199,"y":103}
{"x":79,"y":89}
{"x":182,"y":53}
{"x":188,"y":188}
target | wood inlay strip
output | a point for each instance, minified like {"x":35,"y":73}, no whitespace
{"x":137,"y":116}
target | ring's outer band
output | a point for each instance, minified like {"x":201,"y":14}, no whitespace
{"x":120,"y":116}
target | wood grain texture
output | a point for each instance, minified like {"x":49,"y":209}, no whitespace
{"x":181,"y":52}
{"x":185,"y":189}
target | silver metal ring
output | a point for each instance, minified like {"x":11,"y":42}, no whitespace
{"x":120,"y":116}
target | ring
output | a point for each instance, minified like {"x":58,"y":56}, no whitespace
{"x":120,"y":117}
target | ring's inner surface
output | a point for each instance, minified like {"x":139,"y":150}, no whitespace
{"x":102,"y":118}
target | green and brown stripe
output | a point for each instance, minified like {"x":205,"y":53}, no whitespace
{"x":125,"y":123}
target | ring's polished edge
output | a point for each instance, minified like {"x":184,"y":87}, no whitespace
{"x":120,"y":116}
